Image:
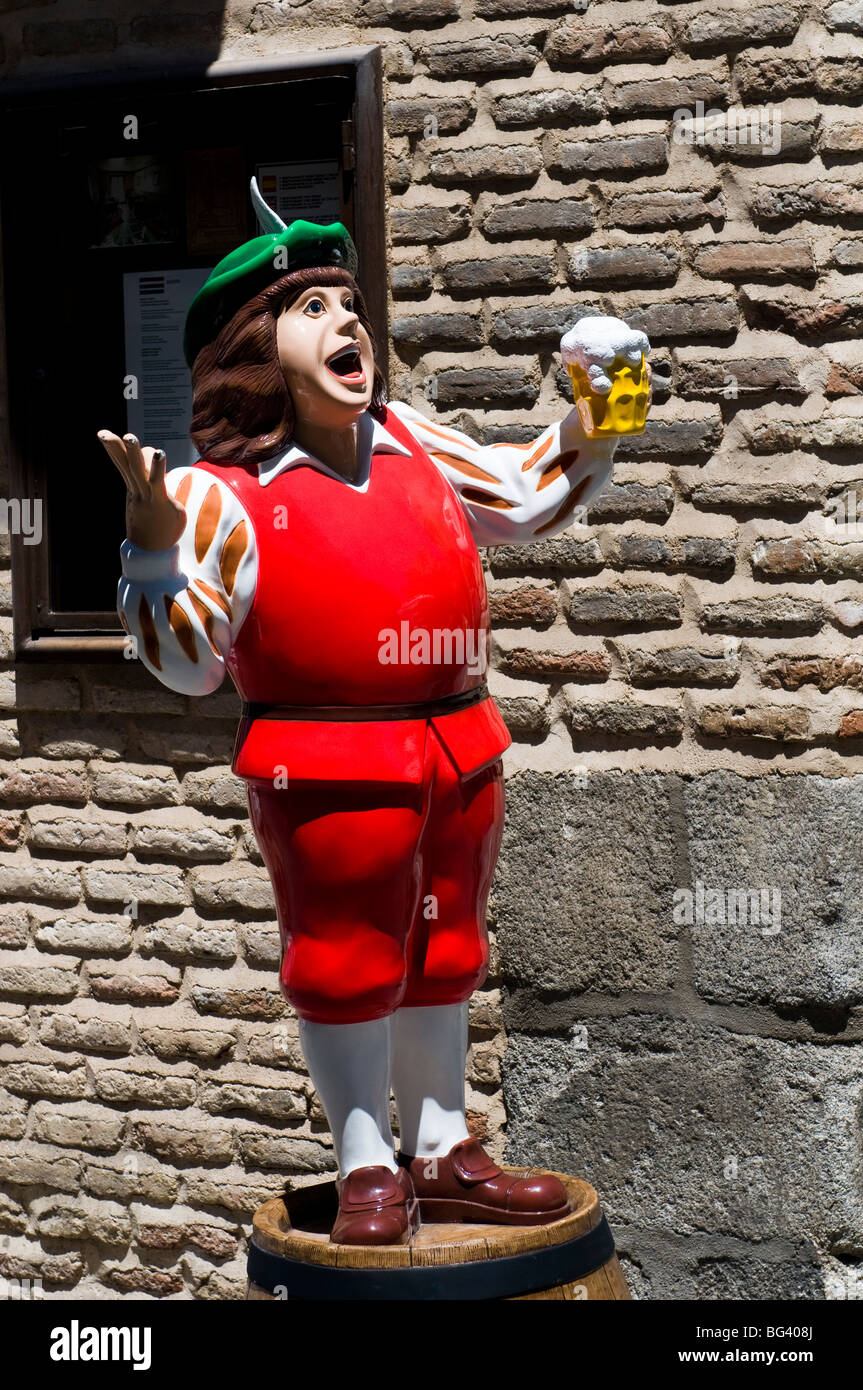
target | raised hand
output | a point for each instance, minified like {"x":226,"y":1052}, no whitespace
{"x":154,"y":519}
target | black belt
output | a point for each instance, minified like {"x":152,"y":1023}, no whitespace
{"x":349,"y":713}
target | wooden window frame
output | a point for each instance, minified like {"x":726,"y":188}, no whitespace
{"x":364,"y":153}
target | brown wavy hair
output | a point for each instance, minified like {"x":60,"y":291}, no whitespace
{"x":242,"y":410}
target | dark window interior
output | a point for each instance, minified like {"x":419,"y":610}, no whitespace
{"x":66,"y":249}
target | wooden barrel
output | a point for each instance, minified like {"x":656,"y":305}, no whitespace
{"x":291,"y":1255}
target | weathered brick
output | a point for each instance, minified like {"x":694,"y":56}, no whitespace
{"x":13,"y":1123}
{"x":734,"y":378}
{"x":848,"y":254}
{"x":429,"y":116}
{"x":187,"y":941}
{"x":851,"y":724}
{"x":840,"y":137}
{"x":409,"y":12}
{"x":669,"y":320}
{"x":537,"y":324}
{"x":269,"y":1100}
{"x":186,"y":1043}
{"x":694,"y":440}
{"x":182,"y":834}
{"x":483,"y":57}
{"x":776,"y":723}
{"x":78,"y":1126}
{"x":624,"y":719}
{"x":663,"y":208}
{"x":822,"y":199}
{"x":226,"y":888}
{"x":490,"y":387}
{"x":425,"y":226}
{"x":771,"y":77}
{"x":608,"y":155}
{"x":843,"y":380}
{"x":754,"y":260}
{"x":425,"y":332}
{"x":129,"y":1175}
{"x":87,"y":1026}
{"x":33,"y":780}
{"x":38,"y":1165}
{"x":845,"y":15}
{"x":184,"y":1142}
{"x":527,"y":606}
{"x":76,"y":833}
{"x":833,"y":318}
{"x":215,"y":790}
{"x":62,"y":1218}
{"x":160,"y":885}
{"x":157,"y":1283}
{"x":648,"y":96}
{"x":186,"y":741}
{"x":27,"y":974}
{"x":824,"y":672}
{"x":486,"y":164}
{"x":541,"y":110}
{"x":147,"y":986}
{"x":48,"y":1074}
{"x":214,"y":1240}
{"x":650,"y":265}
{"x":500,"y":9}
{"x":53,"y":1271}
{"x":262,"y":944}
{"x":743,"y":26}
{"x":411,"y":281}
{"x":682,"y":666}
{"x":86,"y":936}
{"x":33,"y":692}
{"x":839,"y":79}
{"x":764,"y":617}
{"x":141,"y":1081}
{"x":798,"y":558}
{"x":631,"y":502}
{"x":574,"y":43}
{"x":238,"y":1003}
{"x":557,"y":666}
{"x":631,"y":608}
{"x":285,"y":1154}
{"x":506,"y":274}
{"x":538,"y":217}
{"x":562,"y":555}
{"x":122,"y":786}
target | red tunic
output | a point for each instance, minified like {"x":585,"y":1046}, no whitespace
{"x":381,"y":850}
{"x":338,"y":569}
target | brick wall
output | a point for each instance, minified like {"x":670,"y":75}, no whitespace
{"x":681,"y":675}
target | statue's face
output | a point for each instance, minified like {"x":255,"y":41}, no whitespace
{"x":326,"y":356}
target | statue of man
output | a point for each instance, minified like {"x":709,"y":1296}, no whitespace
{"x":323,"y":551}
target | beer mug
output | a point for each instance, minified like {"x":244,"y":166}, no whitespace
{"x":608,"y":346}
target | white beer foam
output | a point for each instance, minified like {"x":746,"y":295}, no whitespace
{"x":594,"y":344}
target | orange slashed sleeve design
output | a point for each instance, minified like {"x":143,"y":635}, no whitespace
{"x":516,"y":493}
{"x":184,"y":606}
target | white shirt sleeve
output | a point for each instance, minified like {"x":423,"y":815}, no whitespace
{"x":184,"y":606}
{"x":516,"y":493}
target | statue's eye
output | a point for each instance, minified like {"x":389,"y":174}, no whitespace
{"x":349,"y":305}
{"x":314,"y":306}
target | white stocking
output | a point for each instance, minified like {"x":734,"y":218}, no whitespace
{"x":429,"y":1051}
{"x":349,"y":1064}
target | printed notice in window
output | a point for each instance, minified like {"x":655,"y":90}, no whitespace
{"x":309,"y":189}
{"x":158,"y":381}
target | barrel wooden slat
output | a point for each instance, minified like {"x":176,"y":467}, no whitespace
{"x":297,"y":1228}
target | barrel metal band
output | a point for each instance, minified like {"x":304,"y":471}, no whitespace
{"x":506,"y":1277}
{"x":450,"y":704}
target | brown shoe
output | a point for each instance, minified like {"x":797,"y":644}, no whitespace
{"x":467,"y":1185}
{"x":376,"y":1207}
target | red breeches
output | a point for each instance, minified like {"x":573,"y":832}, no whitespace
{"x":381,"y":888}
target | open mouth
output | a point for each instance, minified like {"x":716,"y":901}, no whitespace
{"x":346,"y":364}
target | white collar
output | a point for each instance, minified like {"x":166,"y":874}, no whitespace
{"x":371,"y":437}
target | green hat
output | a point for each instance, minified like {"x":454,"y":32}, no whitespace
{"x":254,"y":265}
